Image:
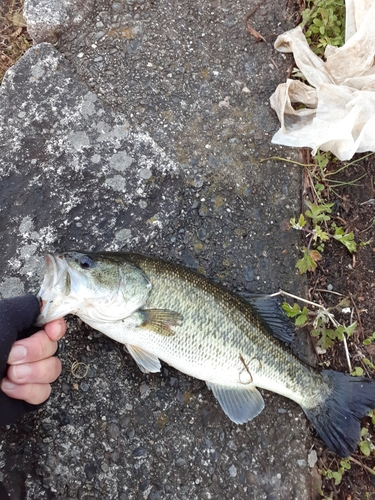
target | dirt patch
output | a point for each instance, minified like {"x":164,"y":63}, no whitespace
{"x":352,"y":276}
{"x":14,"y":39}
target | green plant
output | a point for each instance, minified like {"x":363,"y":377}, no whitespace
{"x":365,"y":444}
{"x":323,"y":318}
{"x":325,"y":327}
{"x":322,"y":174}
{"x":318,"y":216}
{"x":326,"y":336}
{"x":337,"y":474}
{"x":369,"y":339}
{"x":295,"y":312}
{"x":324,"y":24}
{"x":358,"y":370}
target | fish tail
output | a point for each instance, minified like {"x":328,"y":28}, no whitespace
{"x":337,"y":418}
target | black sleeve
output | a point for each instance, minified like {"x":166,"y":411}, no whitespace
{"x":17,"y":316}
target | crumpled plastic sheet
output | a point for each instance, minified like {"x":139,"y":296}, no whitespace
{"x":339,"y":112}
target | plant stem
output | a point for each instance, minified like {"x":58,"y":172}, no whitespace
{"x":357,"y":462}
{"x":329,"y":291}
{"x":347,"y":353}
{"x":287,"y":294}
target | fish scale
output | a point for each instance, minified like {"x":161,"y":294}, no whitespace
{"x":163,"y":311}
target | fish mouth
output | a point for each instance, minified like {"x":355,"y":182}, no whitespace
{"x":54,"y":275}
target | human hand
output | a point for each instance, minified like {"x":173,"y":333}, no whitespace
{"x":33,"y":366}
{"x":17,"y":317}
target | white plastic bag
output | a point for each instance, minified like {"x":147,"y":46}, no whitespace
{"x":340,"y":100}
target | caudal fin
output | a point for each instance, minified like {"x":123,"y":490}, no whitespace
{"x":337,"y":419}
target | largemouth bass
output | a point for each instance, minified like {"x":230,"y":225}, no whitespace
{"x":162,"y":311}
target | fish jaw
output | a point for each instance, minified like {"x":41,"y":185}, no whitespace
{"x":73,"y":284}
{"x":55,"y":290}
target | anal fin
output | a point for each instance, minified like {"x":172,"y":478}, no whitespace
{"x":240,"y":404}
{"x":146,"y":361}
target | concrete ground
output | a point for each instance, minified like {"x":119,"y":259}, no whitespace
{"x":146,"y":125}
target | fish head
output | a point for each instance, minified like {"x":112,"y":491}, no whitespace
{"x":97,"y":287}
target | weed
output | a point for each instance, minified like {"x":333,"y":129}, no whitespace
{"x":323,"y":178}
{"x":326,"y":329}
{"x":369,"y":340}
{"x":318,"y":233}
{"x":324,"y":24}
{"x":337,"y":474}
{"x":365,"y":445}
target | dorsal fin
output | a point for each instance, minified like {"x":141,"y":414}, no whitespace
{"x":269,"y":309}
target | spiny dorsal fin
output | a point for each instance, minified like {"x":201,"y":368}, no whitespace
{"x":160,"y":320}
{"x":268,"y":308}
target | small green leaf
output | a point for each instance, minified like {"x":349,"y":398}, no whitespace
{"x":318,"y":213}
{"x":308,"y":261}
{"x":368,"y":363}
{"x":364,"y":243}
{"x":357,"y":372}
{"x":319,"y":233}
{"x":365,"y":448}
{"x":349,"y":330}
{"x":364,"y":431}
{"x":327,"y":337}
{"x":301,"y":319}
{"x":291,"y":311}
{"x":345,"y":464}
{"x":369,"y":339}
{"x":301,"y":220}
{"x":300,"y":224}
{"x":296,"y":312}
{"x":337,"y":476}
{"x":346,"y":239}
{"x":339,"y":332}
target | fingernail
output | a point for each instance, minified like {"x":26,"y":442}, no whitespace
{"x":17,"y":353}
{"x":7,"y":385}
{"x":61,"y":330}
{"x":21,"y":371}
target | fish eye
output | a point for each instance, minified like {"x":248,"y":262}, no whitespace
{"x":86,"y":262}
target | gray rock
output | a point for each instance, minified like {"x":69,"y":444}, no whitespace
{"x":48,"y":19}
{"x":87,"y":155}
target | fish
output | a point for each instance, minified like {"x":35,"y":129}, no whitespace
{"x":162,"y":311}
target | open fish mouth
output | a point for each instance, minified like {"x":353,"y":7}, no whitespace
{"x":54,"y":277}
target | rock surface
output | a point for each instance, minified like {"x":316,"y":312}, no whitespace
{"x":144,"y":130}
{"x":48,"y":19}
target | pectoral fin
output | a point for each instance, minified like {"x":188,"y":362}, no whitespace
{"x":160,"y":320}
{"x":241,"y":404}
{"x":146,"y":362}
